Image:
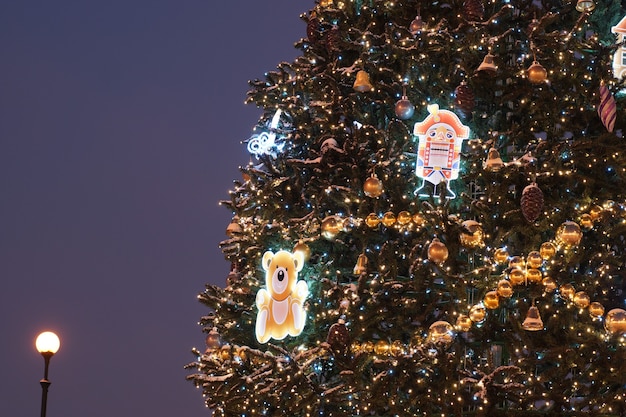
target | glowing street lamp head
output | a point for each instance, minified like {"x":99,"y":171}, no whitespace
{"x":47,"y":342}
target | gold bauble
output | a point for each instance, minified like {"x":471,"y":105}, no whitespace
{"x":568,"y":234}
{"x":586,"y":222}
{"x":326,"y":3}
{"x":419,"y":220}
{"x":505,"y":289}
{"x":372,"y":220}
{"x":517,"y":276}
{"x":548,"y":284}
{"x":491,"y":300}
{"x":389,"y":219}
{"x":373,"y":187}
{"x":595,"y":212}
{"x":475,"y":238}
{"x":437,"y":251}
{"x":225,"y":352}
{"x":381,"y":347}
{"x":547,"y":250}
{"x":596,"y":309}
{"x":615,"y":321}
{"x":477,"y":313}
{"x":567,"y":291}
{"x":397,"y":348}
{"x":304,"y":249}
{"x":331,"y":226}
{"x":404,"y":218}
{"x":463,"y":323}
{"x":517,"y":262}
{"x":581,"y":299}
{"x":441,"y":332}
{"x":501,"y":255}
{"x":534,"y":275}
{"x":534,"y":259}
{"x":367,"y":347}
{"x":537,"y":73}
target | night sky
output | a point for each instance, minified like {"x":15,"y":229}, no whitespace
{"x":121,"y":125}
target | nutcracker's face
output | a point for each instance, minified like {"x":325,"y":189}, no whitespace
{"x":441,"y":133}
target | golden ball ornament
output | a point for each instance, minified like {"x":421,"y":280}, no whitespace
{"x":404,"y":218}
{"x":477,"y":313}
{"x":501,"y":255}
{"x":397,"y":348}
{"x":304,"y":249}
{"x":549,"y":285}
{"x":372,"y":220}
{"x":547,"y":250}
{"x":225,"y":352}
{"x":367,"y":347}
{"x":534,"y":275}
{"x":534,"y":259}
{"x":517,"y":262}
{"x":517,"y":276}
{"x":505,"y":288}
{"x":615,"y":321}
{"x":381,"y":347}
{"x":581,"y":299}
{"x":585,"y":221}
{"x":567,"y":291}
{"x":373,"y":187}
{"x":464,"y":323}
{"x":437,"y":251}
{"x":569,"y":234}
{"x":419,"y":220}
{"x":537,"y":73}
{"x":491,"y":300}
{"x":474,"y":238}
{"x":596,"y":309}
{"x":441,"y":332}
{"x":389,"y":219}
{"x":595,"y":212}
{"x":331,"y":226}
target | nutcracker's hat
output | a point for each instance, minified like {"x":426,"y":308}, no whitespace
{"x":437,"y":116}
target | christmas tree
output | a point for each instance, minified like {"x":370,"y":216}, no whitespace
{"x":433,"y":221}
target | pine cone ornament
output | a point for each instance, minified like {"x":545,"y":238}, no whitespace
{"x":332,"y":40}
{"x":464,"y":98}
{"x":474,"y":10}
{"x":532,"y":202}
{"x":339,"y":338}
{"x":313,"y":29}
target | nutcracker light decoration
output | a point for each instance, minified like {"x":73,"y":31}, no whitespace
{"x":440,"y":137}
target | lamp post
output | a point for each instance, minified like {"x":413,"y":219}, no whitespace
{"x":47,"y":344}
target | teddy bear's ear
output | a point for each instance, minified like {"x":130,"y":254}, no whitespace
{"x":267,"y":259}
{"x":298,"y":260}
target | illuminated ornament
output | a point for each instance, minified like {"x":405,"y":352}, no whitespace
{"x":265,"y":143}
{"x":331,"y":226}
{"x":373,"y":187}
{"x":517,"y":276}
{"x":404,"y":108}
{"x":404,"y":218}
{"x":381,"y":347}
{"x":534,"y":275}
{"x":464,"y":98}
{"x":367,"y":347}
{"x":581,"y":299}
{"x":474,"y":238}
{"x":362,"y":83}
{"x":568,"y":234}
{"x":441,"y":136}
{"x":338,"y":337}
{"x":516,"y":262}
{"x":304,"y":249}
{"x":464,"y":323}
{"x":547,"y":250}
{"x":225,"y":352}
{"x":234,"y":228}
{"x":372,"y":220}
{"x":213,"y":340}
{"x":326,"y":3}
{"x":533,"y":321}
{"x":419,"y":220}
{"x":534,"y":259}
{"x":505,"y":289}
{"x":477,"y":313}
{"x":595,"y":212}
{"x":437,"y":251}
{"x":567,"y":291}
{"x":607,"y":108}
{"x":537,"y":74}
{"x":549,"y":285}
{"x":615,"y":321}
{"x":441,"y":332}
{"x":531,"y":202}
{"x":488,"y":66}
{"x":596,"y":309}
{"x":585,"y":6}
{"x":493,"y":162}
{"x":389,"y":219}
{"x":586,"y":222}
{"x":501,"y":255}
{"x":281,"y":303}
{"x":361,"y":265}
{"x":397,"y":348}
{"x":491,"y":300}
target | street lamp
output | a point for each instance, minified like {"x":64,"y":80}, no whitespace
{"x":47,"y":344}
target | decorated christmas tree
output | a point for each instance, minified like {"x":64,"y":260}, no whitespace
{"x":433,"y":222}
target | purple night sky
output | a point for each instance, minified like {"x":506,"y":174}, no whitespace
{"x":120,"y":129}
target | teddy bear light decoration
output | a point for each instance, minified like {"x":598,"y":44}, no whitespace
{"x":281,"y":304}
{"x":441,"y":136}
